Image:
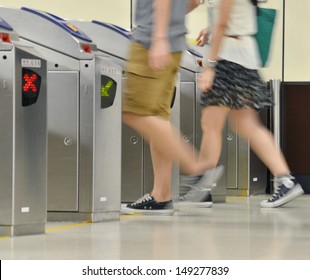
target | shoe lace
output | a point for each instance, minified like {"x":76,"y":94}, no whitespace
{"x":143,"y":199}
{"x":286,"y":181}
{"x":276,"y":194}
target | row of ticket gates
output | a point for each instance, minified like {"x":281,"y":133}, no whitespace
{"x":64,"y":153}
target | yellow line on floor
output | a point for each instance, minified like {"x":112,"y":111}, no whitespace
{"x":55,"y":229}
{"x":230,"y":199}
{"x":83,"y":224}
{"x":70,"y":226}
{"x":125,"y":216}
{"x":67,"y":226}
{"x":3,"y":238}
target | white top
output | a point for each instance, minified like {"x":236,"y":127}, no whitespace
{"x":242,"y":22}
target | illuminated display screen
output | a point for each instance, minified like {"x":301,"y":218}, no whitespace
{"x":31,"y":83}
{"x":72,"y":27}
{"x":108,"y":91}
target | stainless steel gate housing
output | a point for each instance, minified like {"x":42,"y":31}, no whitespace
{"x":23,"y":136}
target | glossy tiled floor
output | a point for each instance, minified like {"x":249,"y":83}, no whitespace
{"x":236,"y":230}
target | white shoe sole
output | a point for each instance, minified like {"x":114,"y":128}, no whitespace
{"x":189,"y":204}
{"x":130,"y":211}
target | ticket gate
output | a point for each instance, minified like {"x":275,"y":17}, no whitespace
{"x":84,"y":118}
{"x":137,"y":174}
{"x":23,"y":136}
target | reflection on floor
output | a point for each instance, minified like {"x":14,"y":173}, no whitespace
{"x":236,"y":230}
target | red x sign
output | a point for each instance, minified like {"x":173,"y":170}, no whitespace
{"x":29,"y":82}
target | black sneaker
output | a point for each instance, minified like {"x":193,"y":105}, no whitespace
{"x":147,"y":205}
{"x":286,"y":190}
{"x":199,"y":194}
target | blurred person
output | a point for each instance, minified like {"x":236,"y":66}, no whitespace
{"x":231,"y":87}
{"x":153,"y":62}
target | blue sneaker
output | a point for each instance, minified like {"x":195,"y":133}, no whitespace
{"x":287,"y":189}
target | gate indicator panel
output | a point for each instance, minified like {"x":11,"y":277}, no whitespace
{"x":31,"y":83}
{"x":108,"y":91}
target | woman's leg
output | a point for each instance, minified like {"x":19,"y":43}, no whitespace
{"x":262,"y":143}
{"x":261,"y":140}
{"x":213,"y":120}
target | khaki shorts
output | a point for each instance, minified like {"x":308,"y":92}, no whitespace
{"x":148,"y":92}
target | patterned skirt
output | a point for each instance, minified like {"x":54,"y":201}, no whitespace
{"x":237,"y":87}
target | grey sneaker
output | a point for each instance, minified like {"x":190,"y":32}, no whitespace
{"x":287,"y":189}
{"x":147,"y":205}
{"x":199,"y":194}
{"x":189,"y":199}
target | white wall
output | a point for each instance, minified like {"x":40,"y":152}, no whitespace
{"x":297,"y":40}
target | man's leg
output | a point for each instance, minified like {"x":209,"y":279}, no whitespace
{"x":167,"y":141}
{"x":146,"y":108}
{"x":162,"y":168}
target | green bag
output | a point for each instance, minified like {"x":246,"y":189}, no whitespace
{"x":265,"y":22}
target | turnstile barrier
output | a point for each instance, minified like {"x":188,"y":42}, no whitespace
{"x":23,"y":136}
